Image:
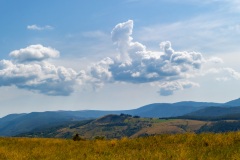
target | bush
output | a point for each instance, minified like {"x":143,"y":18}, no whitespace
{"x":76,"y":137}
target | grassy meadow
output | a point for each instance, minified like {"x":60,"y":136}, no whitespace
{"x":179,"y":146}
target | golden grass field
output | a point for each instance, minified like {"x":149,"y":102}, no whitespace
{"x":188,"y":146}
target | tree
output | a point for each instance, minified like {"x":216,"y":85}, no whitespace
{"x":76,"y":137}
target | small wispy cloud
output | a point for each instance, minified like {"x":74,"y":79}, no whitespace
{"x":95,"y":34}
{"x":168,"y":88}
{"x":39,"y":28}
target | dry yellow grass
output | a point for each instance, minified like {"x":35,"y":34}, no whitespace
{"x":171,"y":126}
{"x":179,"y":146}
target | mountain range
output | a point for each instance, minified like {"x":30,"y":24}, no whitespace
{"x":15,"y":124}
{"x":118,"y":126}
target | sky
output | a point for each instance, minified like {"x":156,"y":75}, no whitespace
{"x":116,"y":55}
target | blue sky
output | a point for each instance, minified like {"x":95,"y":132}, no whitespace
{"x":111,"y":55}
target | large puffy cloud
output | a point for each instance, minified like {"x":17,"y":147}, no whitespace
{"x":30,"y":70}
{"x":136,"y":64}
{"x":146,"y":66}
{"x":34,"y":53}
{"x":44,"y":77}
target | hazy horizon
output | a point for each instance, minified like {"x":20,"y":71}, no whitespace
{"x":102,"y":109}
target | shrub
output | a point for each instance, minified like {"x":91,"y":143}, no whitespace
{"x":76,"y":137}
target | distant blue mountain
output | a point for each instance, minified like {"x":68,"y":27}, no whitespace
{"x":162,"y":110}
{"x":14,"y":124}
{"x":233,"y":103}
{"x":18,"y":123}
{"x":212,"y":112}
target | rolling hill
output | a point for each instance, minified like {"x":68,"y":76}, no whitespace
{"x":19,"y":123}
{"x":118,"y":126}
{"x":14,"y":124}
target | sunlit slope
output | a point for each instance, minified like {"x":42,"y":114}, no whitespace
{"x":118,"y":126}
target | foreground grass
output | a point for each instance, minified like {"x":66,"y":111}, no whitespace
{"x":179,"y":146}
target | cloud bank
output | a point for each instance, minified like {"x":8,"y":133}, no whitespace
{"x":166,"y":69}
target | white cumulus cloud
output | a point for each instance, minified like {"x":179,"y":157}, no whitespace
{"x":30,"y":70}
{"x":136,"y":64}
{"x":34,"y":53}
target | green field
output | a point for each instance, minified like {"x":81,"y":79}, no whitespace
{"x":168,"y":146}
